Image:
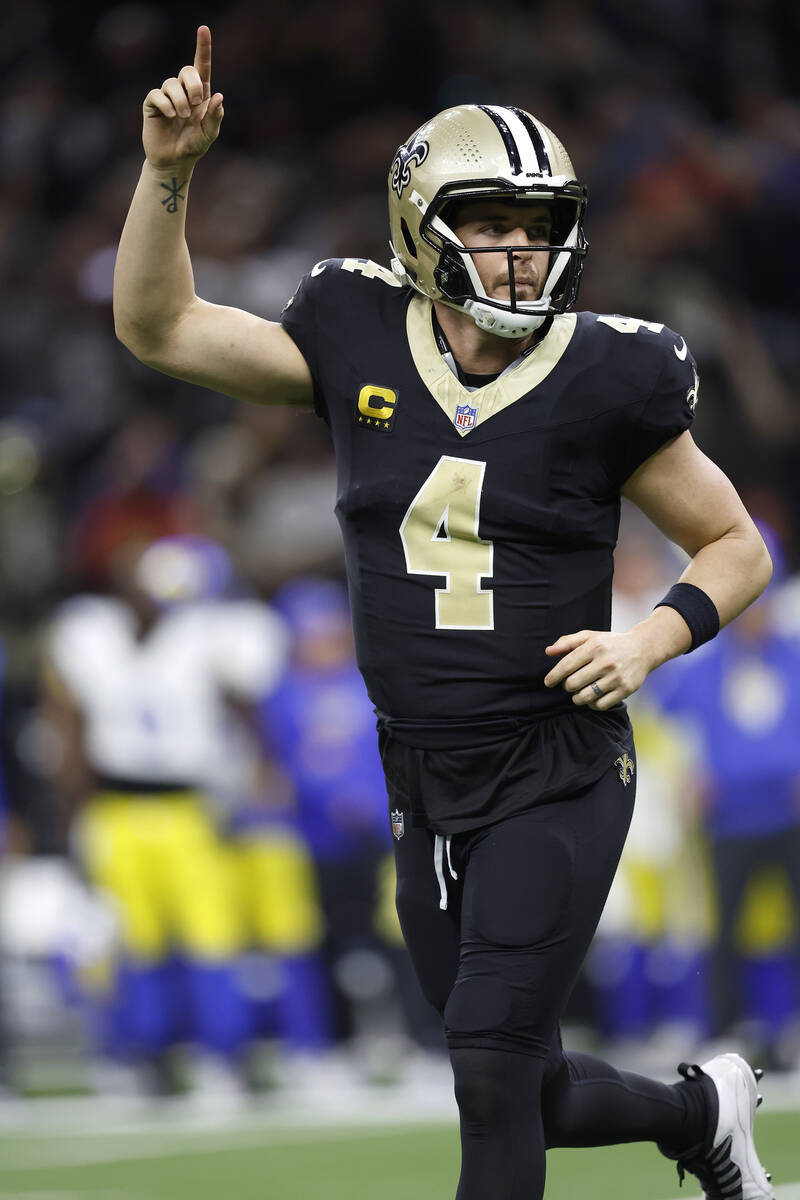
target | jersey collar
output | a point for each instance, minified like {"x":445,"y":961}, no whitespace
{"x":447,"y":389}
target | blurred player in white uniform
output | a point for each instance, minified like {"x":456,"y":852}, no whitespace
{"x":145,"y":687}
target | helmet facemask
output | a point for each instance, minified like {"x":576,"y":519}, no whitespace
{"x":458,"y":279}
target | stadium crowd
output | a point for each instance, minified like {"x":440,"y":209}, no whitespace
{"x":684,"y":120}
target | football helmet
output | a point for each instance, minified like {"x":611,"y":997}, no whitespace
{"x":313,"y":607}
{"x":186,"y":567}
{"x":476,"y":152}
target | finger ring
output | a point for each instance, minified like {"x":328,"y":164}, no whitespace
{"x":598,"y":691}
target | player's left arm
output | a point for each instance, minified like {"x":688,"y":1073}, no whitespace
{"x":695,"y":505}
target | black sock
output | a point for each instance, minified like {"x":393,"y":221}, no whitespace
{"x":587,"y":1102}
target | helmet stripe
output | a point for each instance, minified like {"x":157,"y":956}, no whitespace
{"x":508,"y":138}
{"x":537,"y":139}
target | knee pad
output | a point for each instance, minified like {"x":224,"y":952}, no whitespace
{"x":478,"y":1005}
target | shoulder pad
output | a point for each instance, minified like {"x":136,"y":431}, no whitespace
{"x":648,"y":330}
{"x":364,"y":267}
{"x":81,"y":630}
{"x":326,"y":274}
{"x":628,"y":324}
{"x":78,"y":611}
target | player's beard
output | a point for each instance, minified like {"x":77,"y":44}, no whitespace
{"x":524,"y":290}
{"x":527,"y":284}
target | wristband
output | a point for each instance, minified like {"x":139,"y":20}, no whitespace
{"x":697,"y":609}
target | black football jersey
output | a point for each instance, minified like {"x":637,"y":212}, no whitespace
{"x":478,"y":526}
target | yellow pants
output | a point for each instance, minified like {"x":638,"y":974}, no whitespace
{"x":277,"y":891}
{"x":166,"y":871}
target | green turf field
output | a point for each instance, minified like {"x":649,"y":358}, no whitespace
{"x":253,"y":1159}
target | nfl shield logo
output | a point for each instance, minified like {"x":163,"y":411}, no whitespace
{"x":398,"y":824}
{"x":465,"y":416}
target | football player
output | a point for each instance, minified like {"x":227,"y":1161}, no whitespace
{"x":484,"y":433}
{"x":141,"y":685}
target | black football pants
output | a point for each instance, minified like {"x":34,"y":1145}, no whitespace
{"x":498,"y":921}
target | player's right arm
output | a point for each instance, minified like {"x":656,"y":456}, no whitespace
{"x":157,"y":314}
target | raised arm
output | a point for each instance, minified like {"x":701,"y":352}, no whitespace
{"x":157,"y":314}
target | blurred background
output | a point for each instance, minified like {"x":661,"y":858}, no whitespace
{"x":195,"y":886}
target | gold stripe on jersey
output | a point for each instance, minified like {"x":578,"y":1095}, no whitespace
{"x":449,"y":392}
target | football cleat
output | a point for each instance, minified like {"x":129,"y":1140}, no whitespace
{"x":727,"y":1166}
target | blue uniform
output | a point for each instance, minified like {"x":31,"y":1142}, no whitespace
{"x":322,"y":727}
{"x":744,"y":701}
{"x":743,"y":698}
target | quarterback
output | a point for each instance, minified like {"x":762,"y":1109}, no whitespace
{"x":484,"y":433}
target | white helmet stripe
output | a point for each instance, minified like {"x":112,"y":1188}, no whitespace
{"x":526,"y":148}
{"x":549,"y":148}
{"x":560,"y":263}
{"x":542,"y":144}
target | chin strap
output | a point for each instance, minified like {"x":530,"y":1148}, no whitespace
{"x":503,"y":324}
{"x":486,"y":316}
{"x":399,"y":271}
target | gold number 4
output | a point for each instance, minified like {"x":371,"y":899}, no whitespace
{"x":440,"y":537}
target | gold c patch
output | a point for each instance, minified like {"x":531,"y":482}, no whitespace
{"x":375,"y":407}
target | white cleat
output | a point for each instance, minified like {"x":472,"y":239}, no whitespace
{"x":729,"y":1169}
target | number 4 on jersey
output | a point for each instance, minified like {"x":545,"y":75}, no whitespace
{"x":629,"y":324}
{"x":440,"y":537}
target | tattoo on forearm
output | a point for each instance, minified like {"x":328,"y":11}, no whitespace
{"x":173,"y":190}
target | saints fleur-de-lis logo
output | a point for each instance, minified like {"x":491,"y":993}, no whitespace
{"x":625,"y":767}
{"x":416,"y":151}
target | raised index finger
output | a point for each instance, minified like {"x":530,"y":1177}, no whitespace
{"x":202,"y":59}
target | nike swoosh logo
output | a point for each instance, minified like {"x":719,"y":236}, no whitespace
{"x":681,"y":354}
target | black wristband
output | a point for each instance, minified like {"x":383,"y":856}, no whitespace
{"x":697,"y":609}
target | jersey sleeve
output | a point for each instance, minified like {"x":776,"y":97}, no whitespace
{"x":251,"y":646}
{"x":663,"y":413}
{"x":300,"y":320}
{"x":77,"y":636}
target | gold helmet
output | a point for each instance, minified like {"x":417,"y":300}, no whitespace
{"x":474,"y":152}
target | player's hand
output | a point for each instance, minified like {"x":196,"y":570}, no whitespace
{"x":618,"y":663}
{"x":182,"y":117}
